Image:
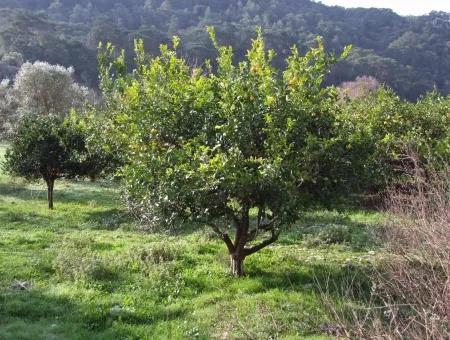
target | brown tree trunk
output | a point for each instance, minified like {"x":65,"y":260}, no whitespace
{"x":50,"y":186}
{"x":237,"y":249}
{"x":237,"y":266}
{"x":238,"y":255}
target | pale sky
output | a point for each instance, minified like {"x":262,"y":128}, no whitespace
{"x":403,"y":7}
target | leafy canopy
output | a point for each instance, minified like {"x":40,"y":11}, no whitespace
{"x":44,"y":147}
{"x":385,"y":134}
{"x":45,"y":89}
{"x":211,"y":144}
{"x":49,"y":148}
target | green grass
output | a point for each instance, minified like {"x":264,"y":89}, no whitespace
{"x":90,"y":274}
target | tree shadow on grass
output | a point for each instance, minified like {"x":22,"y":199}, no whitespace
{"x":102,"y":209}
{"x":337,"y":281}
{"x":300,"y":278}
{"x":20,"y":192}
{"x":82,"y":193}
{"x":333,"y":229}
{"x":37,"y":315}
{"x":111,"y":219}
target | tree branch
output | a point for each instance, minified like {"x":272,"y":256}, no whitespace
{"x":261,"y":227}
{"x":242,"y":228}
{"x":265,"y":243}
{"x":232,"y":215}
{"x":268,"y":225}
{"x":224,"y":237}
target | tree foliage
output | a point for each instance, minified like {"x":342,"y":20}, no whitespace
{"x":383,"y":132}
{"x":48,"y":148}
{"x":232,"y":149}
{"x":8,"y":107}
{"x":44,"y":89}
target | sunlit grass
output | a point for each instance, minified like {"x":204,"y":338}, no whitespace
{"x":88,"y":273}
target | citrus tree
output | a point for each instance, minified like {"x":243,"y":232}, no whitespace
{"x":49,"y":148}
{"x":231,"y":146}
{"x":386,"y":135}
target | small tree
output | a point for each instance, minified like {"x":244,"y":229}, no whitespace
{"x":231,"y":149}
{"x":46,"y":89}
{"x":360,"y":87}
{"x":48,"y":148}
{"x":8,"y":107}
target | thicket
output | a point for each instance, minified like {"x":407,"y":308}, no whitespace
{"x":410,"y":287}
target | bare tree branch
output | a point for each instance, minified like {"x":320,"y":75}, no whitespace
{"x":261,"y":227}
{"x":224,"y":237}
{"x":265,"y":243}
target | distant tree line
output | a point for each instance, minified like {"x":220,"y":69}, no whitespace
{"x":409,"y":54}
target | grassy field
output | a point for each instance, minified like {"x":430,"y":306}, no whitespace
{"x":83,"y":271}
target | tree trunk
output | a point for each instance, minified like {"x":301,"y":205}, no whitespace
{"x":50,"y":186}
{"x":237,"y":266}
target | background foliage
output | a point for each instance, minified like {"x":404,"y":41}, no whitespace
{"x":410,"y":54}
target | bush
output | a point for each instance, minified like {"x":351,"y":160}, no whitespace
{"x":81,"y":265}
{"x":146,"y":258}
{"x":410,"y":297}
{"x":418,"y":276}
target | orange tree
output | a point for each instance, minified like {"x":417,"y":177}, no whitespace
{"x":50,"y":148}
{"x":231,"y":146}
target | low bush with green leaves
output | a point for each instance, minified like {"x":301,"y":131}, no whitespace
{"x":382,"y":132}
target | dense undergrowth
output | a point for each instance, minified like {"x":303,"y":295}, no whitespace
{"x":84,"y":271}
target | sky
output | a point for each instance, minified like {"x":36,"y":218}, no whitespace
{"x":403,"y":7}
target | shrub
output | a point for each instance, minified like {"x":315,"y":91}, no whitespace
{"x":81,"y":265}
{"x":410,"y":297}
{"x":154,"y":254}
{"x":417,"y":278}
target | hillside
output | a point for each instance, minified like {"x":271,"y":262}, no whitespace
{"x":410,"y":54}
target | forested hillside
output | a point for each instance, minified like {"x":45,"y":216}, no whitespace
{"x":410,"y":54}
